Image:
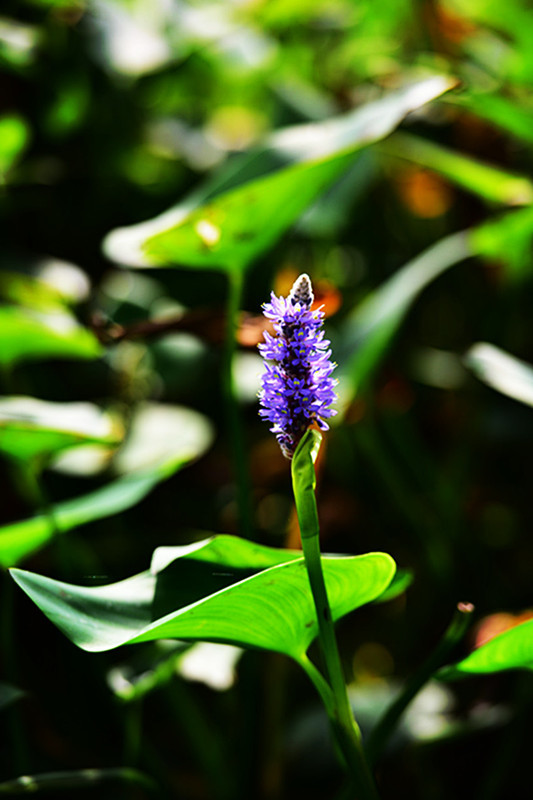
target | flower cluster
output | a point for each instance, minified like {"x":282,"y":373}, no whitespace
{"x":297,"y":387}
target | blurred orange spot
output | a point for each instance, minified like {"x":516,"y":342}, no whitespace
{"x":251,"y":327}
{"x":495,"y":624}
{"x":326,"y":294}
{"x":395,"y":395}
{"x":424,"y":193}
{"x":452,"y":26}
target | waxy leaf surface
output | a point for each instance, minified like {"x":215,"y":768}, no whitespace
{"x":223,"y":589}
{"x":512,"y":649}
{"x":243,"y":211}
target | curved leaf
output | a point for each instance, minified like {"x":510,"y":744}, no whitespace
{"x":240,"y":213}
{"x":28,"y":335}
{"x":188,"y":435}
{"x":30,"y":427}
{"x":501,"y":371}
{"x":369,"y":330}
{"x":512,"y":649}
{"x":256,"y":597}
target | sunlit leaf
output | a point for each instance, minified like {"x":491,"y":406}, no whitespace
{"x":234,"y":228}
{"x":242,"y":211}
{"x":31,"y":427}
{"x":14,"y":136}
{"x":507,"y":240}
{"x":224,"y":589}
{"x":502,"y":371}
{"x":26,"y":335}
{"x":399,"y":584}
{"x":508,"y":114}
{"x":512,"y":649}
{"x":189,"y":435}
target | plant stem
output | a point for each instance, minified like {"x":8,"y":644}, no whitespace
{"x":235,"y":287}
{"x":335,"y":698}
{"x":386,"y":725}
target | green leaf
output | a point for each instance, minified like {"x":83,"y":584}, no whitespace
{"x":369,"y":330}
{"x":234,"y":228}
{"x":304,"y":482}
{"x":223,"y":227}
{"x":74,"y":779}
{"x":27,"y":335}
{"x":501,"y":371}
{"x":399,"y":584}
{"x":188,"y":435}
{"x":512,"y":649}
{"x":511,"y":115}
{"x":508,"y":240}
{"x":487,"y":181}
{"x":224,"y":589}
{"x":14,"y":136}
{"x":31,"y":428}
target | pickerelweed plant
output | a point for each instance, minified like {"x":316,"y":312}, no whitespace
{"x":298,"y":392}
{"x":229,"y":589}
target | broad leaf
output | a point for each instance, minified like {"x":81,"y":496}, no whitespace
{"x":503,"y":372}
{"x":224,"y":589}
{"x":512,"y":649}
{"x":188,"y":435}
{"x":223,"y":227}
{"x":27,"y":335}
{"x":234,"y":228}
{"x":30,"y":428}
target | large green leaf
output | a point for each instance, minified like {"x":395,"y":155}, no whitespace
{"x":503,"y":372}
{"x":223,"y":589}
{"x":223,"y":227}
{"x":29,"y":335}
{"x":235,"y":227}
{"x":512,"y":649}
{"x":30,"y":428}
{"x":187,"y":435}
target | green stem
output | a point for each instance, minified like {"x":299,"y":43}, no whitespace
{"x":335,"y":697}
{"x":387,"y":724}
{"x":232,"y":407}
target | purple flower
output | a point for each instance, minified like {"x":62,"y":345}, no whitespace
{"x":297,"y":387}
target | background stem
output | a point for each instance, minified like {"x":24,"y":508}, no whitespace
{"x":235,"y":432}
{"x":387,"y":724}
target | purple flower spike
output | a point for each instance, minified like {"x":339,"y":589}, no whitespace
{"x":297,"y":387}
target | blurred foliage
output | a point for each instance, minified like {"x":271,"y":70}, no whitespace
{"x":260,"y":137}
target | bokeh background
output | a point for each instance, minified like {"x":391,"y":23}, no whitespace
{"x":112,"y":112}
